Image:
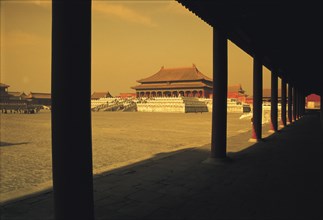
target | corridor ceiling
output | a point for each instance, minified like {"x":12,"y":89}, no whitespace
{"x":287,"y":35}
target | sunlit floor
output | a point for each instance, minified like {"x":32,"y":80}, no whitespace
{"x":119,"y":138}
{"x":280,"y":177}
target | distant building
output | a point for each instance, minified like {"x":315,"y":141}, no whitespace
{"x":19,"y":102}
{"x":236,"y":92}
{"x":249,"y":100}
{"x":17,"y":96}
{"x":4,"y":88}
{"x":98,"y":95}
{"x":126,"y":95}
{"x":313,"y":101}
{"x":174,"y":82}
{"x":8,"y":96}
{"x":40,"y":98}
{"x":4,"y":96}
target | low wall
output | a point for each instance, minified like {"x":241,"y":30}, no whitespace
{"x":172,"y":104}
{"x":157,"y":107}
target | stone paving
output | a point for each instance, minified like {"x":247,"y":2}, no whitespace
{"x":118,"y":139}
{"x":279,"y":178}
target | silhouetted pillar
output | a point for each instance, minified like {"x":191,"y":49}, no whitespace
{"x":303,"y":106}
{"x":300,"y":103}
{"x":257,"y":99}
{"x":219,"y":106}
{"x":321,"y":101}
{"x":294,"y":104}
{"x":297,"y":103}
{"x":274,"y":102}
{"x":290,"y":102}
{"x":304,"y":103}
{"x":71,"y":115}
{"x":283,"y":103}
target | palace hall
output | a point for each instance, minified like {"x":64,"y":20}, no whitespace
{"x":174,"y":82}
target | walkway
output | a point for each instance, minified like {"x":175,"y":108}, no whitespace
{"x":280,"y":178}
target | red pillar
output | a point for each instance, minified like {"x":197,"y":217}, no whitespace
{"x":290,"y":102}
{"x":219,"y":106}
{"x":257,"y":99}
{"x":304,"y":103}
{"x":71,"y":130}
{"x":298,"y":116}
{"x":294,"y":104}
{"x":274,"y":103}
{"x":321,"y":112}
{"x":283,"y":103}
{"x":300,"y":104}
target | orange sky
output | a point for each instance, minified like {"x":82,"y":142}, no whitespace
{"x":130,"y":40}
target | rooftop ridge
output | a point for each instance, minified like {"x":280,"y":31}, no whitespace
{"x":183,"y":67}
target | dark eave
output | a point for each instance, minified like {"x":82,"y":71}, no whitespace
{"x":288,"y":34}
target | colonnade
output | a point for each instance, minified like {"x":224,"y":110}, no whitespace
{"x":172,"y":93}
{"x":292,"y":103}
{"x":71,"y":132}
{"x":295,"y":99}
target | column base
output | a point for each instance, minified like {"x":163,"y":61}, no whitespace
{"x":271,"y":131}
{"x":217,"y":161}
{"x":281,"y":126}
{"x":254,"y":140}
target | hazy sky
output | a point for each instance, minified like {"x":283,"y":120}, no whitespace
{"x":130,"y":40}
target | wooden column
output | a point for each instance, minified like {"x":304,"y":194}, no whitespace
{"x":274,"y":102}
{"x":321,"y":103}
{"x":294,"y":104}
{"x":257,"y":99}
{"x":219,"y":106}
{"x":302,"y":105}
{"x":299,"y":115}
{"x":298,"y":104}
{"x":71,"y":115}
{"x":321,"y":114}
{"x":283,"y":103}
{"x":290,"y":102}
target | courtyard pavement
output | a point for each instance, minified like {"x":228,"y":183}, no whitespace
{"x":277,"y":178}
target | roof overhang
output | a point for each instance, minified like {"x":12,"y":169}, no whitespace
{"x":288,"y":35}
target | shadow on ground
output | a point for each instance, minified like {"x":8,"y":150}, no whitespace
{"x":279,"y":178}
{"x":6,"y":144}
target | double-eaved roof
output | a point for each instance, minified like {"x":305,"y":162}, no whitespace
{"x":176,"y":74}
{"x":176,"y":85}
{"x":175,"y":78}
